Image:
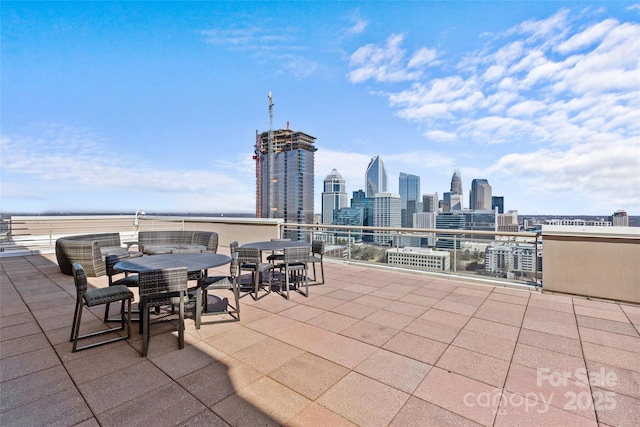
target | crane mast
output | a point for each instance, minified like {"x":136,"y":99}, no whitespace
{"x":270,"y":179}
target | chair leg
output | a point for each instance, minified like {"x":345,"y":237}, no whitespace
{"x":286,"y":281}
{"x":73,"y":325}
{"x":75,"y":333}
{"x":76,"y":327}
{"x":106,"y":311}
{"x":306,"y":281}
{"x":128,"y":317}
{"x":257,"y":278}
{"x":200,"y":293}
{"x":236,"y":294}
{"x":181,"y":322}
{"x":144,"y":312}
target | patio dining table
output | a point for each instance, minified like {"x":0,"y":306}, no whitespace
{"x":276,"y":245}
{"x":195,"y":262}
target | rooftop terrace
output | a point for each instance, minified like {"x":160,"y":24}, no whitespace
{"x":371,"y":347}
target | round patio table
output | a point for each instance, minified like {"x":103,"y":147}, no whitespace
{"x":195,"y":262}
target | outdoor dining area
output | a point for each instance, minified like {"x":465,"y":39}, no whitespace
{"x":170,"y":270}
{"x":248,"y":335}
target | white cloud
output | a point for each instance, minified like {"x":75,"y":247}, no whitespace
{"x":358,"y":25}
{"x":526,"y":108}
{"x":599,"y":171}
{"x":567,"y":97}
{"x":423,"y":56}
{"x":387,"y":63}
{"x":588,"y":37}
{"x":66,"y":160}
{"x":440,"y":135}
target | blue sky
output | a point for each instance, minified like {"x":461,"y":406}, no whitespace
{"x":116,"y":106}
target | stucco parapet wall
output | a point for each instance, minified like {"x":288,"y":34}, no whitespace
{"x":219,"y":219}
{"x":632,"y":233}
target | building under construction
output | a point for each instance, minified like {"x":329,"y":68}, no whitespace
{"x":284,"y":189}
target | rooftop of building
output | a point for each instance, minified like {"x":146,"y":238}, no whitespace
{"x":371,"y":347}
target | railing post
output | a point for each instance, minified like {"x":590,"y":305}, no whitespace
{"x":455,"y":253}
{"x":535,"y":267}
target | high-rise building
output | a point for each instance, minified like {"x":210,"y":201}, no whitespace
{"x":449,"y":221}
{"x":481,"y":220}
{"x":365,"y":204}
{"x":497,"y":202}
{"x":451,"y":201}
{"x":386,"y":213}
{"x":353,"y":216}
{"x":508,"y":221}
{"x":375,"y":178}
{"x":620,"y":219}
{"x":480,"y":196}
{"x":409,"y":189}
{"x":425,"y":220}
{"x":430,"y":202}
{"x":456,"y":185}
{"x":334,"y":196}
{"x":288,"y":192}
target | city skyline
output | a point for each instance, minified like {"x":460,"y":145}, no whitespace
{"x":110,"y":106}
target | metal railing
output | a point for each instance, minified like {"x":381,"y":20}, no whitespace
{"x":490,"y":255}
{"x":450,"y":252}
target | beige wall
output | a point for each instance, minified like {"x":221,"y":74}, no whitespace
{"x":240,"y":229}
{"x":599,"y":262}
{"x":42,"y":229}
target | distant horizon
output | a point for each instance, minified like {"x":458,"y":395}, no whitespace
{"x":251,"y":215}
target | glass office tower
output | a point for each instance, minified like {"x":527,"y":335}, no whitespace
{"x":409,"y":189}
{"x":375,"y":178}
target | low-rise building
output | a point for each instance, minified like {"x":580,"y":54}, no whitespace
{"x":425,"y":259}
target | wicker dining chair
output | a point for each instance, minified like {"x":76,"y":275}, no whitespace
{"x":277,"y":256}
{"x":294,"y":269}
{"x":98,"y":296}
{"x":209,"y":283}
{"x":128,"y":280}
{"x":250,"y":259}
{"x":317,"y":255}
{"x":167,"y":286}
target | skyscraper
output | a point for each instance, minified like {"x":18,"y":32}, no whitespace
{"x":386,"y":213}
{"x":291,"y":183}
{"x":334,"y":196}
{"x":375,"y":178}
{"x":364,"y":203}
{"x":430,"y":202}
{"x":497,"y":202}
{"x":456,"y":184}
{"x":480,"y":196}
{"x":409,"y":189}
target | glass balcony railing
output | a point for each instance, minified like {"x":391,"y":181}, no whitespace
{"x":511,"y":257}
